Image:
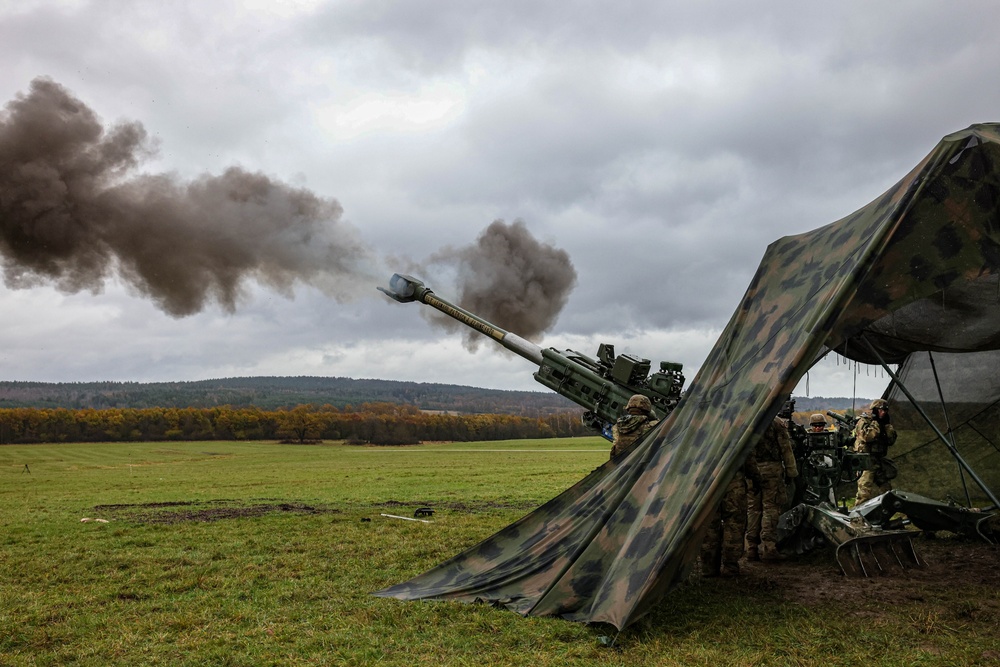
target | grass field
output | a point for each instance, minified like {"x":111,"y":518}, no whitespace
{"x":223,"y":553}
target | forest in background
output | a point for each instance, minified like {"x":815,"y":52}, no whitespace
{"x":295,"y":409}
{"x":367,"y":424}
{"x":273,"y":393}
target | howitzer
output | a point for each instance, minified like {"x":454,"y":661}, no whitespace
{"x":602,"y":386}
{"x":824,"y":459}
{"x":825,"y":463}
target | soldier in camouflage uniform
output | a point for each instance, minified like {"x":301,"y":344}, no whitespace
{"x":775,"y":462}
{"x":723,"y":546}
{"x":817,"y":423}
{"x":634,"y":424}
{"x":875,"y":435}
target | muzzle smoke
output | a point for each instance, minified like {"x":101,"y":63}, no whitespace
{"x":511,"y":279}
{"x":75,"y":210}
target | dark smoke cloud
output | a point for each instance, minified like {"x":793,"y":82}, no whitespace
{"x":74,"y":210}
{"x":510,"y":279}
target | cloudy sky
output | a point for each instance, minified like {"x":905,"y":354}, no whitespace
{"x":656,"y":148}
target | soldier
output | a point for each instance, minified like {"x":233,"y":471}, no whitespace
{"x":634,"y":424}
{"x":875,"y":435}
{"x":775,"y":462}
{"x":723,"y":546}
{"x":817,"y":423}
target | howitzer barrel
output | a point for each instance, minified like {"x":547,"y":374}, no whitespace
{"x":603,"y":386}
{"x":841,"y":418}
{"x":405,"y":289}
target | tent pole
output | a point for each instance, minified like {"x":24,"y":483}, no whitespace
{"x":947,"y":422}
{"x":951,"y":448}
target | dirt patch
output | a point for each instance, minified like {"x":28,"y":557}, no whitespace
{"x":209,"y":510}
{"x":115,"y":508}
{"x":466,"y":507}
{"x":950,"y":566}
{"x":218,"y":510}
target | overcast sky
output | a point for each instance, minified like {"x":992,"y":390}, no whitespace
{"x":660,"y":145}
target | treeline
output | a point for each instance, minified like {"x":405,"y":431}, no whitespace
{"x":274,"y":393}
{"x":813,"y":404}
{"x":370,"y":423}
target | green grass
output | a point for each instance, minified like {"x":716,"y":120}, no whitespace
{"x":158,"y":586}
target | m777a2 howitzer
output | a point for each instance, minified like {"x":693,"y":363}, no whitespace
{"x":602,"y":386}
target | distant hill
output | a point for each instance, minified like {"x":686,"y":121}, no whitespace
{"x":270,"y":393}
{"x":823,"y":403}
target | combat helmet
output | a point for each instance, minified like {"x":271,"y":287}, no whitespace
{"x":879,"y":404}
{"x":639,"y":403}
{"x":817,"y":419}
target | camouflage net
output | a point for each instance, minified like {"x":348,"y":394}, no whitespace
{"x":969,"y":413}
{"x":915,"y":270}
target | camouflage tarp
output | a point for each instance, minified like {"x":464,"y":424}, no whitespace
{"x":608,"y":548}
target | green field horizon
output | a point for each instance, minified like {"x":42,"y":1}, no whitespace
{"x":255,"y":553}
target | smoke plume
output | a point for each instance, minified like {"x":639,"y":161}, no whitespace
{"x":75,"y":210}
{"x":510,"y":279}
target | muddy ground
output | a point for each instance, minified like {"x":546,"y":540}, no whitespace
{"x":949,"y":565}
{"x":208,"y":510}
{"x":218,"y":510}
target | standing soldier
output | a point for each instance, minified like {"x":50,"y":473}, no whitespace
{"x":634,"y":424}
{"x":875,"y":435}
{"x":723,"y":547}
{"x":775,"y":461}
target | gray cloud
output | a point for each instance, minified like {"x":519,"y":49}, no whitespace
{"x":662,"y":146}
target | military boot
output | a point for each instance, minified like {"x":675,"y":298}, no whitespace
{"x":752,"y":553}
{"x":770,"y":553}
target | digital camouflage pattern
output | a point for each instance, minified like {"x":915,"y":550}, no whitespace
{"x":722,"y":547}
{"x":776,"y":447}
{"x":628,"y":429}
{"x":639,"y":404}
{"x":775,"y":462}
{"x":773,"y":498}
{"x":608,"y":548}
{"x":872,"y":437}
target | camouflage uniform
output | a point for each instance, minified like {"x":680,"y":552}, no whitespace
{"x":766,"y":502}
{"x":723,"y":546}
{"x":875,"y":435}
{"x":634,"y":424}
